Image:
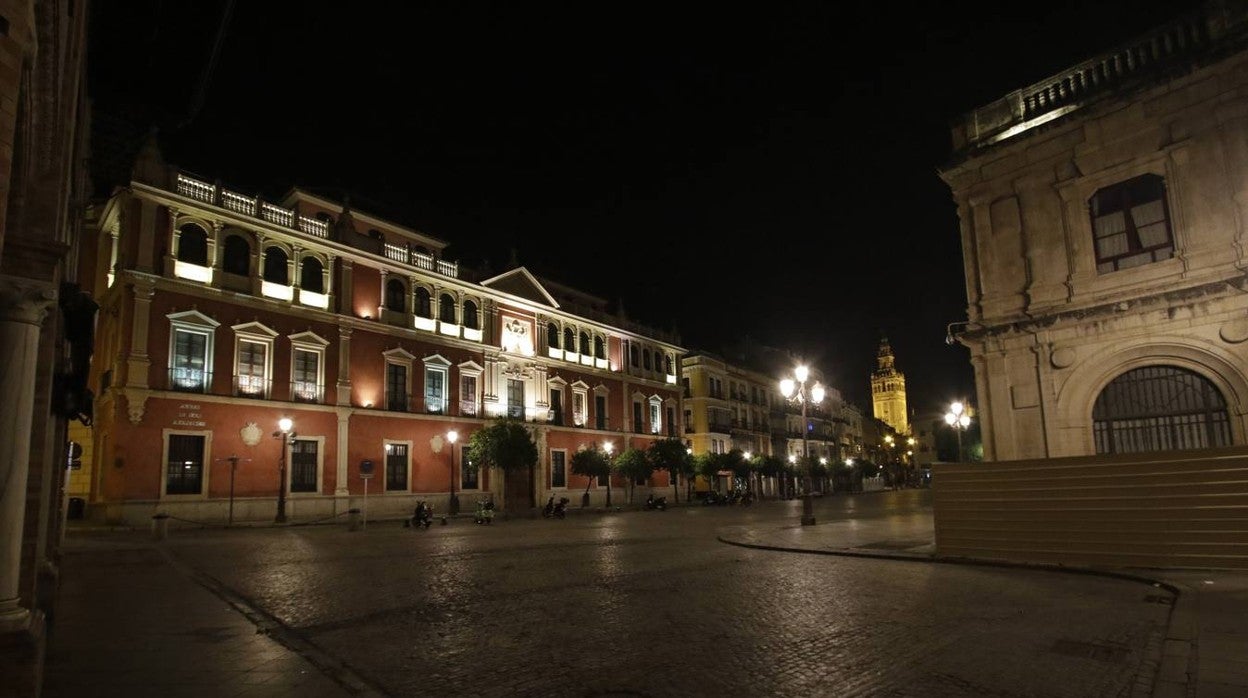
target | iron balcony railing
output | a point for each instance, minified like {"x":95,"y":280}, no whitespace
{"x":189,"y":380}
{"x":307,"y":391}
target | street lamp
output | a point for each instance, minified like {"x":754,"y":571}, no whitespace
{"x":284,"y":432}
{"x":453,"y":506}
{"x":957,"y":418}
{"x":795,"y":390}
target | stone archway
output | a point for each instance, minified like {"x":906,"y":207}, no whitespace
{"x":1159,"y":408}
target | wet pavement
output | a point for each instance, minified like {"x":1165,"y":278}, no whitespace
{"x":691,"y":601}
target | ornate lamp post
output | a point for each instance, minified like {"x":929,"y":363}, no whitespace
{"x":453,"y":505}
{"x":795,"y":390}
{"x":957,"y":418}
{"x":285,"y":427}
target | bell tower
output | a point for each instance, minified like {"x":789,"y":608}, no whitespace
{"x":888,"y":391}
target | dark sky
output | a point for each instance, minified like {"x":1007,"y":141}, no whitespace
{"x":728,"y":170}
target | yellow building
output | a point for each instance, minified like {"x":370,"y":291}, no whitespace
{"x":888,"y":391}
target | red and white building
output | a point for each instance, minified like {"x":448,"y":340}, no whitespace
{"x":222,"y":313}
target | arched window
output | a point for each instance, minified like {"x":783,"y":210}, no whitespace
{"x":569,"y":339}
{"x":396,"y":296}
{"x":237,"y":258}
{"x":584,"y":347}
{"x":311,"y":277}
{"x":472,"y":319}
{"x":446,"y":309}
{"x":424,"y":303}
{"x":645,"y":355}
{"x":193,"y":245}
{"x":600,"y":348}
{"x":1159,"y":408}
{"x":632,"y":355}
{"x":552,"y":335}
{"x":658,"y":360}
{"x":275,"y":266}
{"x":667,"y":365}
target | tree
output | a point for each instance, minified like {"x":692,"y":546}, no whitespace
{"x":634,"y":465}
{"x":592,"y":463}
{"x":772,"y":466}
{"x":673,"y":456}
{"x":708,"y":466}
{"x":505,"y":444}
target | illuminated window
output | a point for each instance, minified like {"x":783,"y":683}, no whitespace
{"x":191,"y":351}
{"x":1131,"y":224}
{"x":436,"y":376}
{"x":253,"y":359}
{"x":397,"y":466}
{"x":184,"y":465}
{"x":656,"y":420}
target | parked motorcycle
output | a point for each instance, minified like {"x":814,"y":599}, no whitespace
{"x":422,"y":517}
{"x":656,"y":503}
{"x":554,"y":509}
{"x":485,"y":512}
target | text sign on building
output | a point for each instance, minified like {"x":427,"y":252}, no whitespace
{"x":189,"y":415}
{"x":366,"y":469}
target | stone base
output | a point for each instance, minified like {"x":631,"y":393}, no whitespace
{"x":22,"y":659}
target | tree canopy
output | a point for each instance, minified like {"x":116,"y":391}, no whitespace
{"x":506,"y":444}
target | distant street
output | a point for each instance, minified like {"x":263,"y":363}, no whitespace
{"x":648,"y":603}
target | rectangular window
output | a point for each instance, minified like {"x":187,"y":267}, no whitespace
{"x":655,"y":422}
{"x":671,"y":421}
{"x":1131,"y":224}
{"x":515,"y":398}
{"x":556,"y":407}
{"x":435,"y":390}
{"x":600,"y":411}
{"x":637,"y":425}
{"x":469,"y":477}
{"x":252,"y":379}
{"x":184,"y":473}
{"x":558,"y":469}
{"x":396,"y":387}
{"x":303,"y":466}
{"x":305,"y":378}
{"x":190,"y":358}
{"x":468,"y":396}
{"x":578,"y":409}
{"x":396,"y":467}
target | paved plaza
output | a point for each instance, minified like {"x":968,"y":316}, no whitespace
{"x":629,"y":603}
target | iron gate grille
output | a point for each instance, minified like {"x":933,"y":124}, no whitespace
{"x":1159,"y":408}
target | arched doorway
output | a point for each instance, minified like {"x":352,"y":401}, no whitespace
{"x":1159,"y":408}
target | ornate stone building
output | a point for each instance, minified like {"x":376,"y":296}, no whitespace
{"x":45,"y":323}
{"x":1104,"y":224}
{"x":888,"y":391}
{"x":224,"y":314}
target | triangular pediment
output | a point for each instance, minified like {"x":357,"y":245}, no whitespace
{"x":520,"y":283}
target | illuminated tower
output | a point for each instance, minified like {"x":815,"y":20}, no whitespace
{"x":888,"y":391}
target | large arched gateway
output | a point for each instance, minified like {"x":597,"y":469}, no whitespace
{"x":1159,"y":408}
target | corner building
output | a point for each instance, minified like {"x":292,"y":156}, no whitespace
{"x":1104,"y":216}
{"x":223,"y":313}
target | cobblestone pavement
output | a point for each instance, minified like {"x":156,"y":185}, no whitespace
{"x":650,"y":604}
{"x":622,"y":603}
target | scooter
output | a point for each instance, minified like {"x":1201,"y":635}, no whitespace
{"x":555,"y":509}
{"x":659,"y":504}
{"x":422,"y":517}
{"x":485,"y":512}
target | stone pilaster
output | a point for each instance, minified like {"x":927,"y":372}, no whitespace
{"x":138,"y":363}
{"x":343,"y":391}
{"x":24,"y":304}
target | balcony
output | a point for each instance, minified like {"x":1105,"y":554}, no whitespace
{"x":189,"y":380}
{"x":306,"y":391}
{"x":251,"y":386}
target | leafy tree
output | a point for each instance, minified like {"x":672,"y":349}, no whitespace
{"x":772,"y":466}
{"x":505,"y":444}
{"x":592,"y":463}
{"x":672,"y":455}
{"x":708,"y":465}
{"x":634,"y":465}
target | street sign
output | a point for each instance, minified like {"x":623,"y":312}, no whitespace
{"x":366,"y":469}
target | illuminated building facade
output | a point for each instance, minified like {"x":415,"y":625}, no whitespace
{"x":888,"y":391}
{"x":1104,"y":212}
{"x":223,"y":313}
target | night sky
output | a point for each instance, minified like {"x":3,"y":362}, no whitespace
{"x":730,"y":170}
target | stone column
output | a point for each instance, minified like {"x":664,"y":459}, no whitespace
{"x":24,"y":304}
{"x":343,"y":391}
{"x":381,"y":297}
{"x":293,"y":264}
{"x":173,"y":241}
{"x":214,"y":253}
{"x":341,"y":490}
{"x":327,"y":282}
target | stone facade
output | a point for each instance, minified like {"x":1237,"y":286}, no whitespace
{"x":42,"y":148}
{"x":1103,"y":219}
